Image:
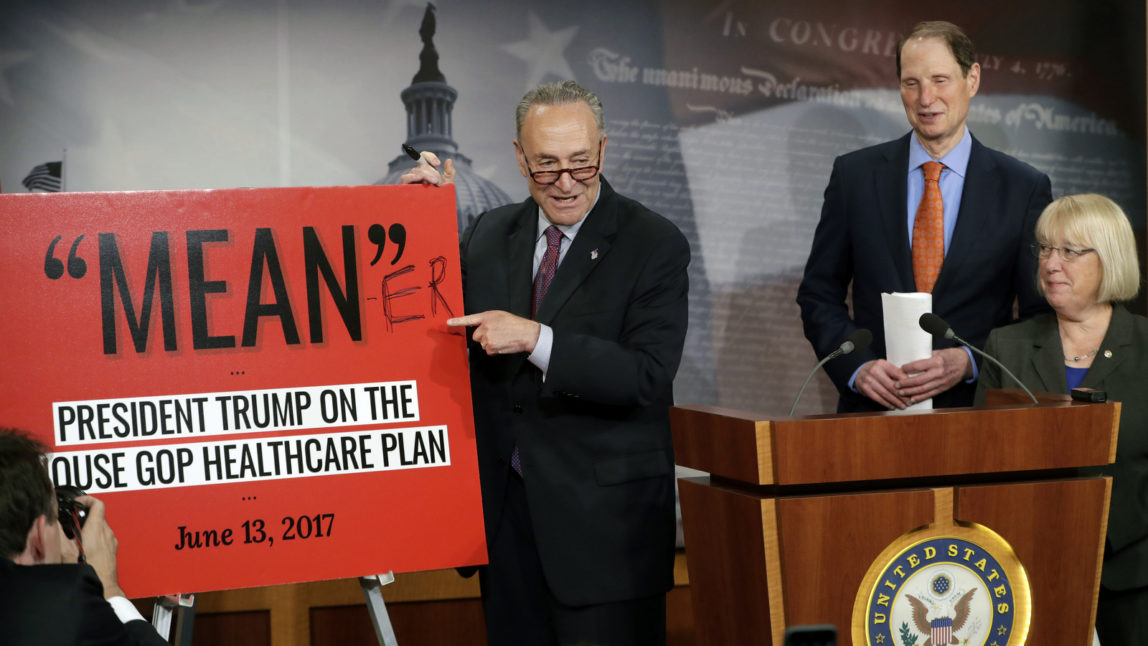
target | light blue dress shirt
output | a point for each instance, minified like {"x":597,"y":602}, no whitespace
{"x":952,"y":182}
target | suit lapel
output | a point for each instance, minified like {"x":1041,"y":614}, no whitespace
{"x":589,"y":248}
{"x":521,"y":248}
{"x":1048,"y":357}
{"x":891,"y":189}
{"x":973,"y":218}
{"x":1116,"y":346}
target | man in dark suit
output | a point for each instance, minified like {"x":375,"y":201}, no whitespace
{"x":45,"y":596}
{"x":577,"y":300}
{"x":871,"y":226}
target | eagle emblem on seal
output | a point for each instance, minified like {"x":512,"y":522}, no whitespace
{"x":942,"y":627}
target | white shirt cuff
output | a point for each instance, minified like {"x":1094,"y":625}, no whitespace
{"x":541,"y":355}
{"x":125,"y":609}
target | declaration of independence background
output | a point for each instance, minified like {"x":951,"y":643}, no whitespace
{"x":724,"y":116}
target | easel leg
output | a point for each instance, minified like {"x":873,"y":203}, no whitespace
{"x":181,"y":607}
{"x":373,"y":592}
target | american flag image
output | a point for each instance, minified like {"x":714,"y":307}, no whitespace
{"x":45,"y":177}
{"x":942,"y":630}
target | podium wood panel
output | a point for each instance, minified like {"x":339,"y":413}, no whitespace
{"x":820,"y":449}
{"x":723,"y":442}
{"x":1059,"y":539}
{"x":828,"y":542}
{"x":727,"y":563}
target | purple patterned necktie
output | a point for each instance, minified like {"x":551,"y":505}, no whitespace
{"x":546,"y":270}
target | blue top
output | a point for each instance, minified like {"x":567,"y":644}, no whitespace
{"x":1074,"y":376}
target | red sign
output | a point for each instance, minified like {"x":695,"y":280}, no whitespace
{"x":259,"y":383}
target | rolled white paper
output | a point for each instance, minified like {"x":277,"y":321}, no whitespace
{"x":905,"y":341}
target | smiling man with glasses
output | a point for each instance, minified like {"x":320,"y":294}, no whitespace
{"x":577,"y":302}
{"x":564,"y":176}
{"x":548,"y":177}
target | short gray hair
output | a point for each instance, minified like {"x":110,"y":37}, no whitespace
{"x":559,"y":93}
{"x":1096,"y":222}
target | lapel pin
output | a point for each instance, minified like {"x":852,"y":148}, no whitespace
{"x":1107,"y":354}
{"x":594,"y":255}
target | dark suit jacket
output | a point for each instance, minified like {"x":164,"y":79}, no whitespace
{"x":1032,"y":350}
{"x":59,"y":605}
{"x":862,"y":239}
{"x":594,"y":436}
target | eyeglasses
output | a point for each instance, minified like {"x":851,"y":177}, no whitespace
{"x":1067,"y":254}
{"x":548,"y":177}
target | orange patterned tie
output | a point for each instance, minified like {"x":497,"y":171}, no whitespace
{"x":929,"y":230}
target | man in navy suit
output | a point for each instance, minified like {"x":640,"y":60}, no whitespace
{"x":577,"y":301}
{"x":864,"y":239}
{"x":46,"y":597}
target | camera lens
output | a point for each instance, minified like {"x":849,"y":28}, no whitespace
{"x":71,"y":513}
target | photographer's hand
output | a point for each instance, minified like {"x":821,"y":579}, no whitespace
{"x":100,"y":546}
{"x":69,"y":552}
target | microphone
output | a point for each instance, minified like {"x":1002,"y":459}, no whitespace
{"x":859,"y":340}
{"x":937,"y":327}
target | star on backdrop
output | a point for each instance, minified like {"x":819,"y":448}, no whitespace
{"x":543,"y":51}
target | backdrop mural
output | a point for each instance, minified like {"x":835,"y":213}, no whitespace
{"x":724,"y":116}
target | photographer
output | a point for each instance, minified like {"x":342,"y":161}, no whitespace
{"x":46,"y":597}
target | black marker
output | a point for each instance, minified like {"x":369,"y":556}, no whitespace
{"x":415,"y":155}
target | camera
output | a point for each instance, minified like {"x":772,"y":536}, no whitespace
{"x":72,"y":514}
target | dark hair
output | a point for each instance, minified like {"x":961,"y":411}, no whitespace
{"x":25,"y":489}
{"x":959,"y":44}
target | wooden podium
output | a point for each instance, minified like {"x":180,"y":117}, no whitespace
{"x":797,"y":512}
